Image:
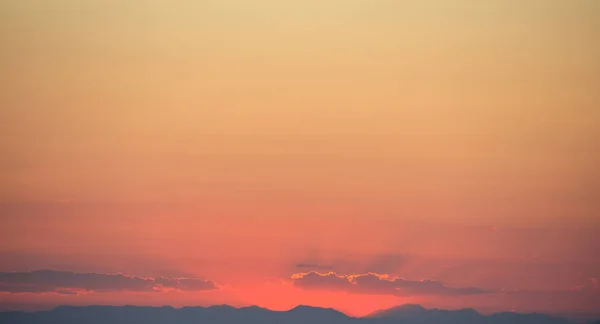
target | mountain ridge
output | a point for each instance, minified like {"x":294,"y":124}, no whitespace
{"x":226,"y":314}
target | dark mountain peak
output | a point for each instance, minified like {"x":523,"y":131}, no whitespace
{"x":303,"y":308}
{"x":221,"y":307}
{"x":410,"y":308}
{"x":316,"y":311}
{"x":467,"y":311}
{"x":254,"y":309}
{"x":399,"y":310}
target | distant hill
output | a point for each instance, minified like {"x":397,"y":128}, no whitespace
{"x":417,"y":314}
{"x":409,"y":314}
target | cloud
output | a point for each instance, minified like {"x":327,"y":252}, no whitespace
{"x":188,"y":284}
{"x":67,"y":282}
{"x":377,"y":284}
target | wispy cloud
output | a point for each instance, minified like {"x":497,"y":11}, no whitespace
{"x":67,"y":282}
{"x":377,"y":284}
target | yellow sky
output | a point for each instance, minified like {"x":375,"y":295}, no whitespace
{"x":461,"y":104}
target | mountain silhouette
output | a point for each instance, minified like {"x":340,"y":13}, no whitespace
{"x":224,"y":314}
{"x":399,"y":311}
{"x":417,"y":314}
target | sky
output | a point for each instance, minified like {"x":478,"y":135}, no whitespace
{"x":354,"y":154}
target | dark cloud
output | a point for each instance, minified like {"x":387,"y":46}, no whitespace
{"x":189,"y":284}
{"x":66,"y":282}
{"x":372,"y":283}
{"x":315,"y":280}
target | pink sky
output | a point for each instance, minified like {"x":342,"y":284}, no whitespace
{"x":276,"y":153}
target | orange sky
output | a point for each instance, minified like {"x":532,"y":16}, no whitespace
{"x":243,"y":142}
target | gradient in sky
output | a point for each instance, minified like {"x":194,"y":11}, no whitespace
{"x":344,"y":153}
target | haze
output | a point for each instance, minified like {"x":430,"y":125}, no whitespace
{"x":283,"y":150}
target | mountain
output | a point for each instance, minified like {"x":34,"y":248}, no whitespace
{"x":417,"y":314}
{"x":399,"y":311}
{"x":223,"y":314}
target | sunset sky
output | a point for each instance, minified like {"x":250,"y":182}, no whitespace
{"x":354,"y":154}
